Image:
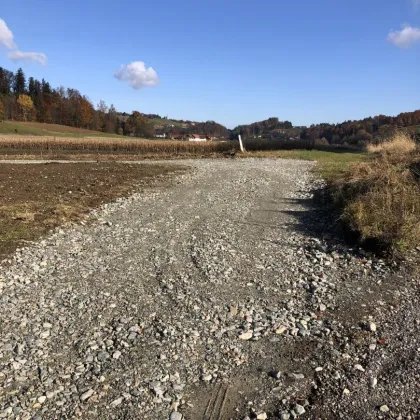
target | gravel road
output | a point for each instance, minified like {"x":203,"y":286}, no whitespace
{"x":222,"y":296}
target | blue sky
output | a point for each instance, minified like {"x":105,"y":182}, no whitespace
{"x":231,"y":61}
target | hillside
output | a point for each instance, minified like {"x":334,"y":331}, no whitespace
{"x":44,"y":129}
{"x":271,"y":129}
{"x":362,"y":132}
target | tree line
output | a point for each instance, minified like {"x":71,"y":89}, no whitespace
{"x":23,"y":99}
{"x":360,"y":132}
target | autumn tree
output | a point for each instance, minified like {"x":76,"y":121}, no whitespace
{"x":87,"y":112}
{"x":111,"y":120}
{"x":102,"y":114}
{"x":137,"y":125}
{"x":26,"y":106}
{"x":133,"y":121}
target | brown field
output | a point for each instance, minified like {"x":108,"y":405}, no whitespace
{"x":53,"y":146}
{"x":37,"y":197}
{"x":110,"y":145}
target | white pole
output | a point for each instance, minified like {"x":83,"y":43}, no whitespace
{"x":240,"y":143}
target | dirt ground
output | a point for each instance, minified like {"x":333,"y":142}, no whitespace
{"x":36,"y":198}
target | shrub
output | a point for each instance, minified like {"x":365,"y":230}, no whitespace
{"x":400,"y":143}
{"x":321,"y":142}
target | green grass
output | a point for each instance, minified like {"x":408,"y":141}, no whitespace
{"x":331,"y":164}
{"x":43,"y":129}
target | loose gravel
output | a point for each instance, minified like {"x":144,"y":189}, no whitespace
{"x":225,"y":296}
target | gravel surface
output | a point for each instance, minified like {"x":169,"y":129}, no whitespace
{"x":224,"y":296}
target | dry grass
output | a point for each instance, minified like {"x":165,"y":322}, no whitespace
{"x":400,"y":143}
{"x":379,"y":198}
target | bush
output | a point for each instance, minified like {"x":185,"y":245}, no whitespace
{"x":321,"y":142}
{"x":400,"y":144}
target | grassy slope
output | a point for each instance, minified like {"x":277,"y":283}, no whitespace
{"x":42,"y":129}
{"x":165,"y":122}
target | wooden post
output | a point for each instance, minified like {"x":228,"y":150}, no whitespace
{"x":240,"y":143}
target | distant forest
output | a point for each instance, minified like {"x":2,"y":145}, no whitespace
{"x":23,"y":99}
{"x":362,"y":131}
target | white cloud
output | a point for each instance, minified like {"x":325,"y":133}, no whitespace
{"x":6,"y":39}
{"x":404,"y":38}
{"x":6,"y":36}
{"x":17,"y":55}
{"x":137,"y":75}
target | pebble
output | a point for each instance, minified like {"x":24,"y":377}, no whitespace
{"x":300,"y":409}
{"x":359,"y":367}
{"x":372,"y":326}
{"x":176,"y":415}
{"x":297,"y":376}
{"x":384,"y":408}
{"x":86,"y":395}
{"x":373,"y":382}
{"x":117,"y":402}
{"x":116,"y":355}
{"x":246,"y":336}
{"x":281,"y":330}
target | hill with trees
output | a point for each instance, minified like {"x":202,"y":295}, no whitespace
{"x":361,"y":132}
{"x":270,"y":128}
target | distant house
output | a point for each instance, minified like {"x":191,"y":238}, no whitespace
{"x":160,"y":135}
{"x":198,"y":137}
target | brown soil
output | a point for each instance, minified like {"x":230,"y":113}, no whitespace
{"x":36,"y":198}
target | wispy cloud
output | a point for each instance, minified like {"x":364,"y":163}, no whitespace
{"x":406,"y":37}
{"x":6,"y":36}
{"x":137,"y":75}
{"x":28,"y":57}
{"x":7,"y":40}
